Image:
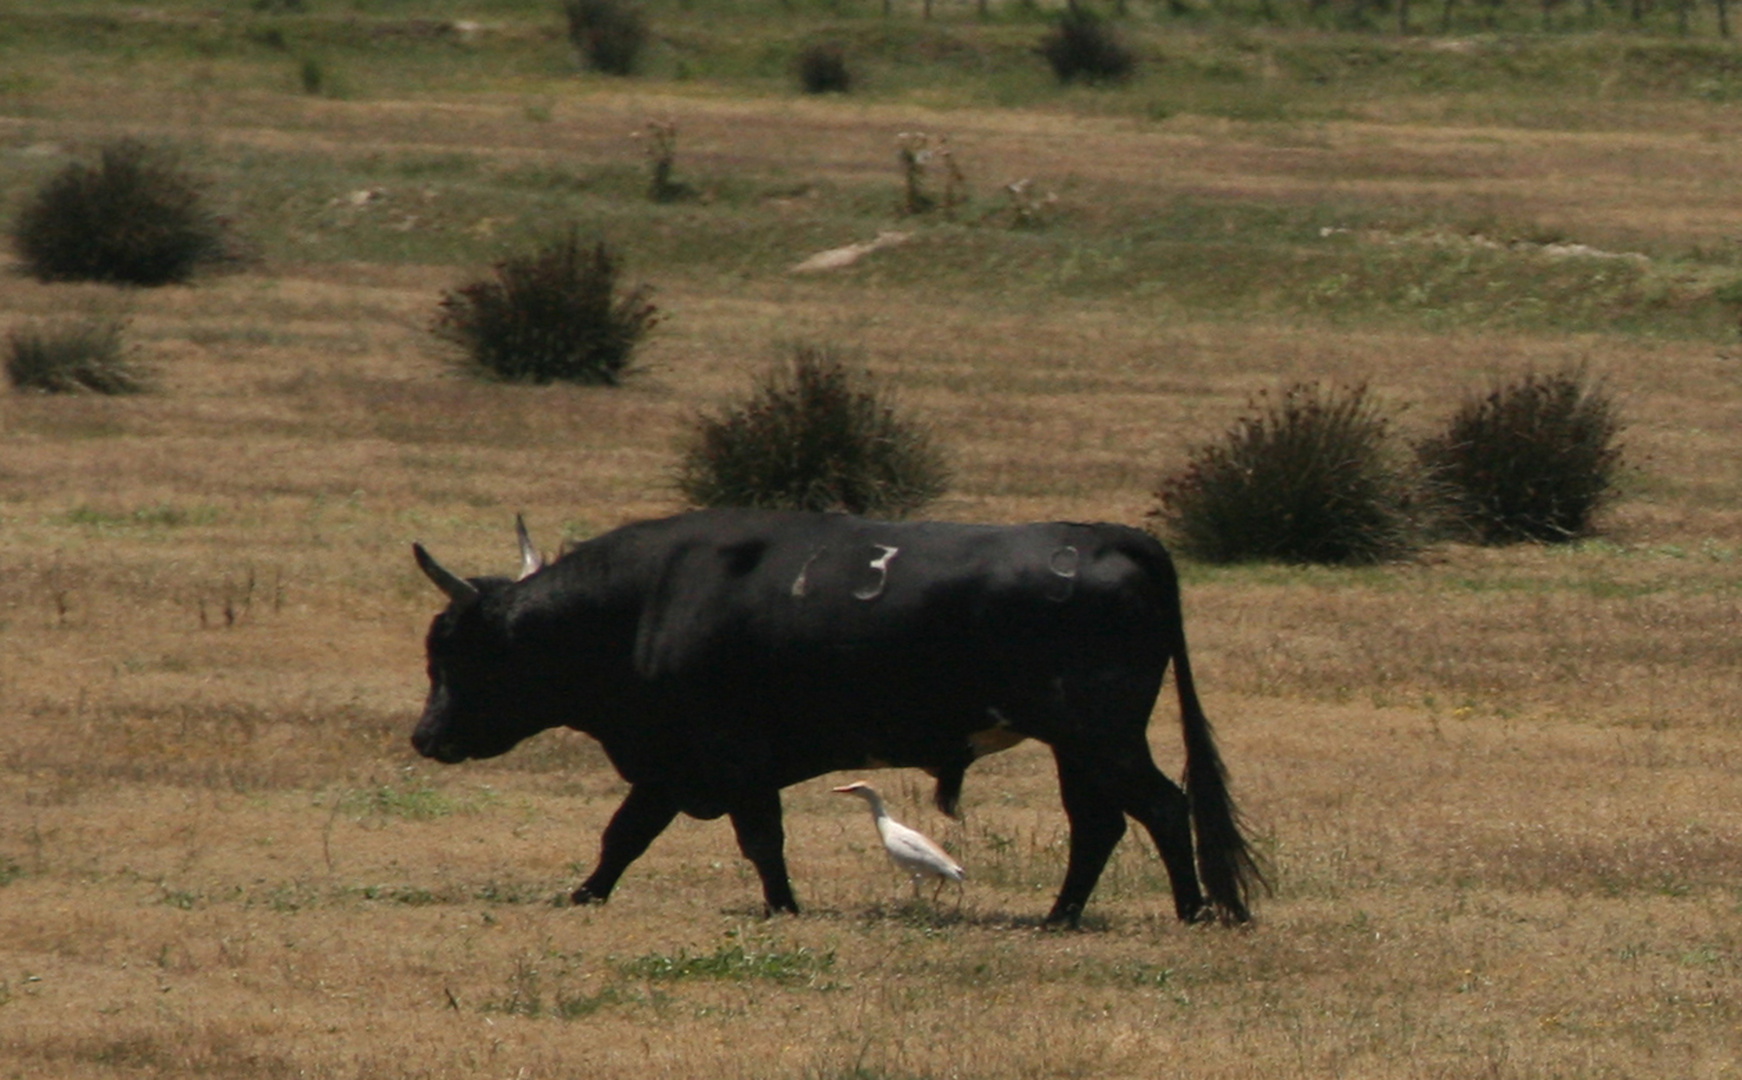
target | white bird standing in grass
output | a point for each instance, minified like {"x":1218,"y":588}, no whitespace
{"x":914,"y":853}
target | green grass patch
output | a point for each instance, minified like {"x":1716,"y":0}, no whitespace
{"x":413,"y":799}
{"x":733,"y":962}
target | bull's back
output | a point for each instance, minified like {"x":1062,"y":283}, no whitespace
{"x":855,"y":610}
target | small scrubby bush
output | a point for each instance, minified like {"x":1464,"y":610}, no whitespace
{"x":920,"y":156}
{"x":661,"y":144}
{"x":556,"y":314}
{"x":1308,"y":478}
{"x":134,"y":218}
{"x":84,"y":355}
{"x":1533,"y":460}
{"x":822,"y":69}
{"x":608,"y":34}
{"x":1082,"y":46}
{"x":813,"y":435}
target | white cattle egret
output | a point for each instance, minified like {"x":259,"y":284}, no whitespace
{"x":914,"y":853}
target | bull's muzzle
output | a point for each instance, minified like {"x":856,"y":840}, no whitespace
{"x":441,"y":750}
{"x":432,"y":737}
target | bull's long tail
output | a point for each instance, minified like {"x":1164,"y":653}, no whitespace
{"x":1230,"y":869}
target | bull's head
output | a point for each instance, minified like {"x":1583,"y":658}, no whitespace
{"x":470,"y":711}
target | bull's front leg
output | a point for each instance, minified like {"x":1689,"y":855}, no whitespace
{"x":644,"y":815}
{"x":762,"y":839}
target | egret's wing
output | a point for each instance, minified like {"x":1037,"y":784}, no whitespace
{"x":916,"y":852}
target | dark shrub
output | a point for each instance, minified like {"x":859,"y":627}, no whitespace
{"x":313,"y":75}
{"x":1082,"y":46}
{"x":822,"y":69}
{"x":134,"y":219}
{"x":1310,"y":478}
{"x":553,"y":315}
{"x":83,"y":355}
{"x":1531,"y":460}
{"x":813,"y":435}
{"x":609,"y":34}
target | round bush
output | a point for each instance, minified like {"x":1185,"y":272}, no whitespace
{"x":134,"y":219}
{"x":1308,"y":478}
{"x":1533,"y":460}
{"x":1082,"y":46}
{"x":813,"y":435}
{"x":609,"y":34}
{"x":553,"y":315}
{"x":822,"y":69}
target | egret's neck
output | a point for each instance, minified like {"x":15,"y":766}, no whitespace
{"x":875,"y":801}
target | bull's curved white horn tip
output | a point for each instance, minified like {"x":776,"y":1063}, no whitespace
{"x":531,"y":562}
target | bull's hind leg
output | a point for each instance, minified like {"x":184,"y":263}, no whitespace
{"x":644,"y":815}
{"x":1161,"y":807}
{"x":1097,"y":823}
{"x":762,"y":839}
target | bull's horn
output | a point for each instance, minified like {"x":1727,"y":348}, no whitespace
{"x":530,"y":560}
{"x":459,"y":590}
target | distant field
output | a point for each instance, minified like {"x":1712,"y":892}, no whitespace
{"x":1499,"y":787}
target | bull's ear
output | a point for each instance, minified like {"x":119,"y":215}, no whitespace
{"x":530,"y":560}
{"x":457,"y":588}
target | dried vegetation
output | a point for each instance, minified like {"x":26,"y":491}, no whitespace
{"x":1497,"y":785}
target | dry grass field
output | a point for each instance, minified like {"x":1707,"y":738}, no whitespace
{"x":1501,"y":790}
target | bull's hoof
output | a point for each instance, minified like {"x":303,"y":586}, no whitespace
{"x":583,"y":896}
{"x":1068,"y":917}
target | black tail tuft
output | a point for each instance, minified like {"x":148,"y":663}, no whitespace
{"x":1230,"y":869}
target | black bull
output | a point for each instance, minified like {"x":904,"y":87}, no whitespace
{"x":722,"y":655}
